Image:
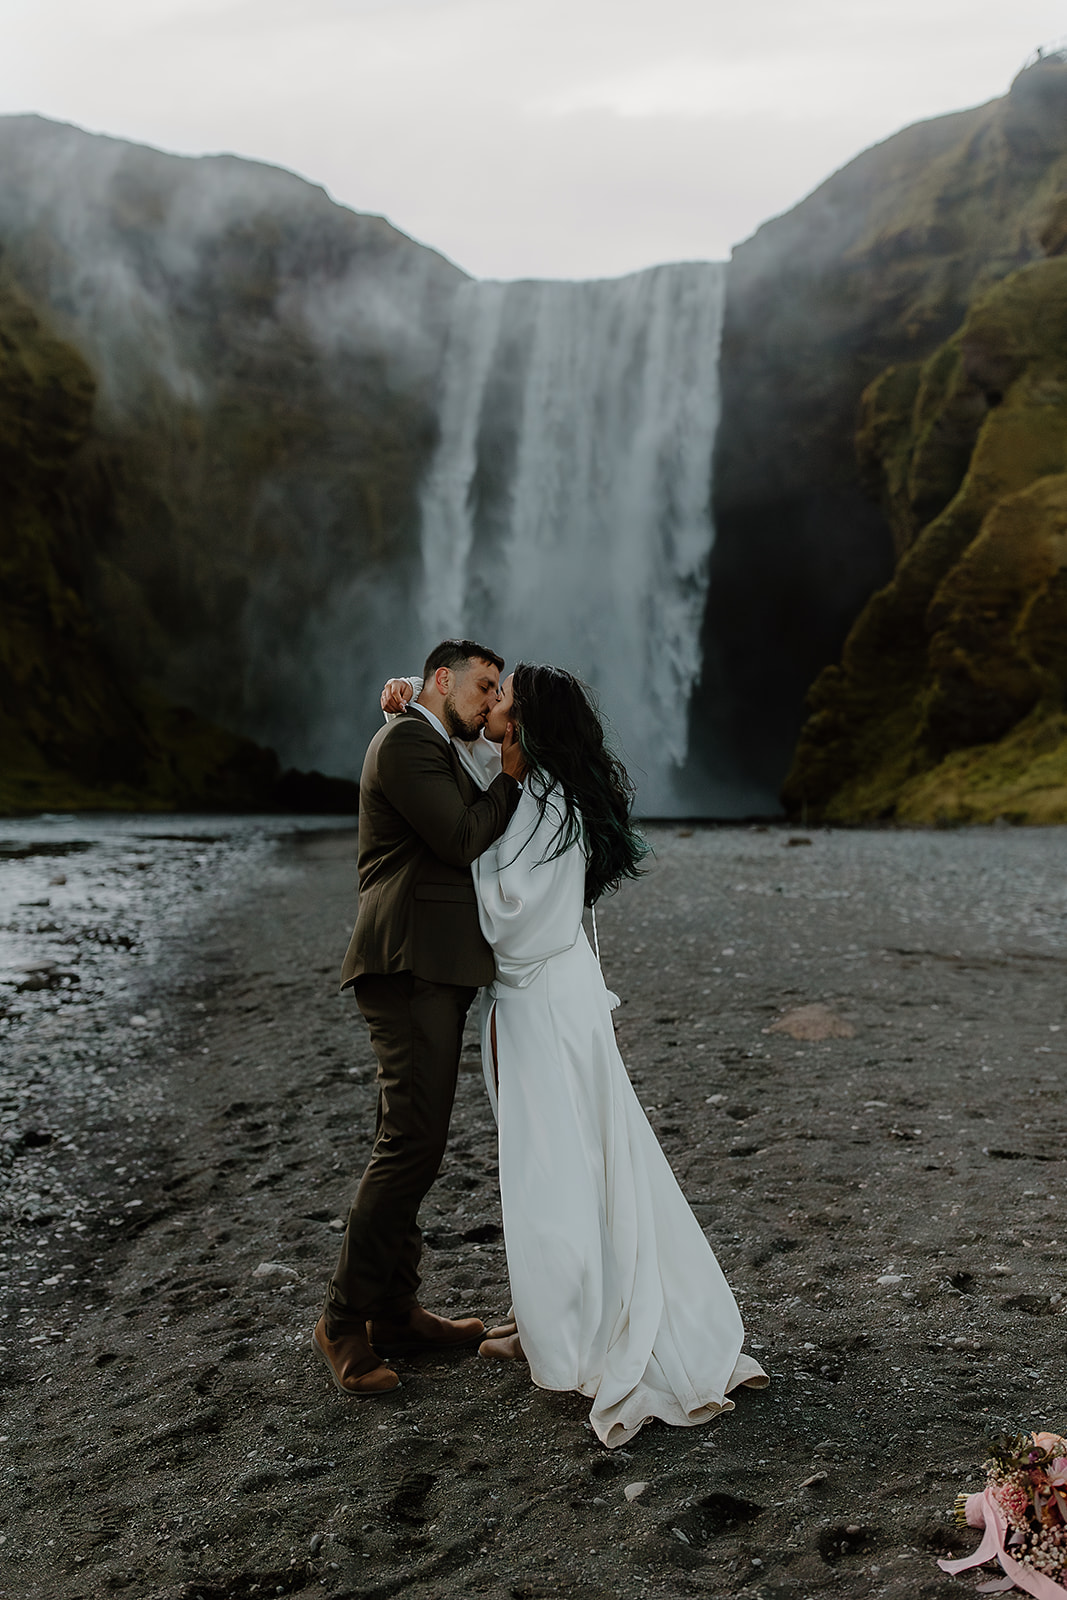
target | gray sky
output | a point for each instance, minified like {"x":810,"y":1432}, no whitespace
{"x":541,"y":138}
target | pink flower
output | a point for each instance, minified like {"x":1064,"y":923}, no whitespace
{"x":1013,"y":1501}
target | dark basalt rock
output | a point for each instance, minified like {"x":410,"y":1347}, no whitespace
{"x":312,"y":793}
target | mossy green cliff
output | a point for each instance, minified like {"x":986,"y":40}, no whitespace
{"x":262,"y":362}
{"x":235,"y":401}
{"x":950,"y":700}
{"x":75,"y":732}
{"x":876,"y":269}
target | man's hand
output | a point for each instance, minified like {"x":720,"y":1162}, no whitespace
{"x":512,"y":759}
{"x":396,"y":695}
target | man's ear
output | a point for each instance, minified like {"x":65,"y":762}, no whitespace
{"x":442,"y":680}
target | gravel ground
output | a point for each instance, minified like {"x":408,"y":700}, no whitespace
{"x":185,"y":1102}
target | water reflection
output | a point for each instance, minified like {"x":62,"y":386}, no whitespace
{"x":86,"y":900}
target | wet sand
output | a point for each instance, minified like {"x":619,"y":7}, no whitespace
{"x":887,"y":1205}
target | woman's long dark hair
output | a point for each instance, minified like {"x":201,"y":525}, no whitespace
{"x":562,"y":738}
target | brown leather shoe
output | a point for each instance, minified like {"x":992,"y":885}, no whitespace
{"x":422,"y":1330}
{"x":353,"y":1365}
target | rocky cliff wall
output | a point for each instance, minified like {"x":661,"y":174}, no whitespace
{"x":950,"y":701}
{"x":877,"y":267}
{"x":75,"y":731}
{"x":263,"y":362}
{"x":258,"y":367}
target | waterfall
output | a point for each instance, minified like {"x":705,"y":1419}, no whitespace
{"x":566,"y":515}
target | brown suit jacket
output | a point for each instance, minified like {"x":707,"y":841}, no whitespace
{"x":422,"y":821}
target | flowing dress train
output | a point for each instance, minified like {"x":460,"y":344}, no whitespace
{"x":617,"y":1292}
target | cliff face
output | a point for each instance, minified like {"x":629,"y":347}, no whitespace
{"x":950,"y":701}
{"x":74,"y":731}
{"x":263,"y":363}
{"x":56,"y":696}
{"x":877,"y":268}
{"x":233,"y":384}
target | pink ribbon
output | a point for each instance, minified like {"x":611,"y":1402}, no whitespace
{"x":983,"y":1511}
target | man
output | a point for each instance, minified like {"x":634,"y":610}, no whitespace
{"x":416,"y":959}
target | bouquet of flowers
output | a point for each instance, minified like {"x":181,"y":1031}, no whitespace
{"x":1023,"y":1509}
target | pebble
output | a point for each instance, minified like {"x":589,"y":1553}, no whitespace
{"x":632,"y":1490}
{"x":274,"y":1269}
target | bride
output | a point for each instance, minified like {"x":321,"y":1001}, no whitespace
{"x":616,"y":1292}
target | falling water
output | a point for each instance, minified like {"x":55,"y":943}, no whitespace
{"x":566,"y":516}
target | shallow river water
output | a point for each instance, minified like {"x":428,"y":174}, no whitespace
{"x":86,"y":901}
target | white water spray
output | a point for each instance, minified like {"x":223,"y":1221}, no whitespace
{"x":566,"y":515}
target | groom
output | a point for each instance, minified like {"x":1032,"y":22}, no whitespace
{"x":416,"y":960}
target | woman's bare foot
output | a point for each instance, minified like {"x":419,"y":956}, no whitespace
{"x":505,"y":1329}
{"x":507,"y":1348}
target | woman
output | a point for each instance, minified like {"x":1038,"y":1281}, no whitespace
{"x":616,"y":1291}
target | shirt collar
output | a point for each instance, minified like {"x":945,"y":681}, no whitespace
{"x":435,"y":722}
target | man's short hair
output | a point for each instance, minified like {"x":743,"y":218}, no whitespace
{"x":460,"y":653}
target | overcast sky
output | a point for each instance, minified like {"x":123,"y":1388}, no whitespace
{"x":526,"y":138}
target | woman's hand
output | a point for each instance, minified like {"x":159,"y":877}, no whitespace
{"x":512,"y":759}
{"x":396,"y":695}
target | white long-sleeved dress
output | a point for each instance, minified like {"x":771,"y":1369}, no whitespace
{"x":617,"y":1292}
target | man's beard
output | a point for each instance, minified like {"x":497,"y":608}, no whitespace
{"x":455,"y":723}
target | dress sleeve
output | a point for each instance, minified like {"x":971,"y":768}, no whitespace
{"x":416,"y":690}
{"x":481,"y":759}
{"x":530,"y":906}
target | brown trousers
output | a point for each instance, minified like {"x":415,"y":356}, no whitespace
{"x":416,"y":1029}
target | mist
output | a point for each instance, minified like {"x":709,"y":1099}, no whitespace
{"x":329,"y":448}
